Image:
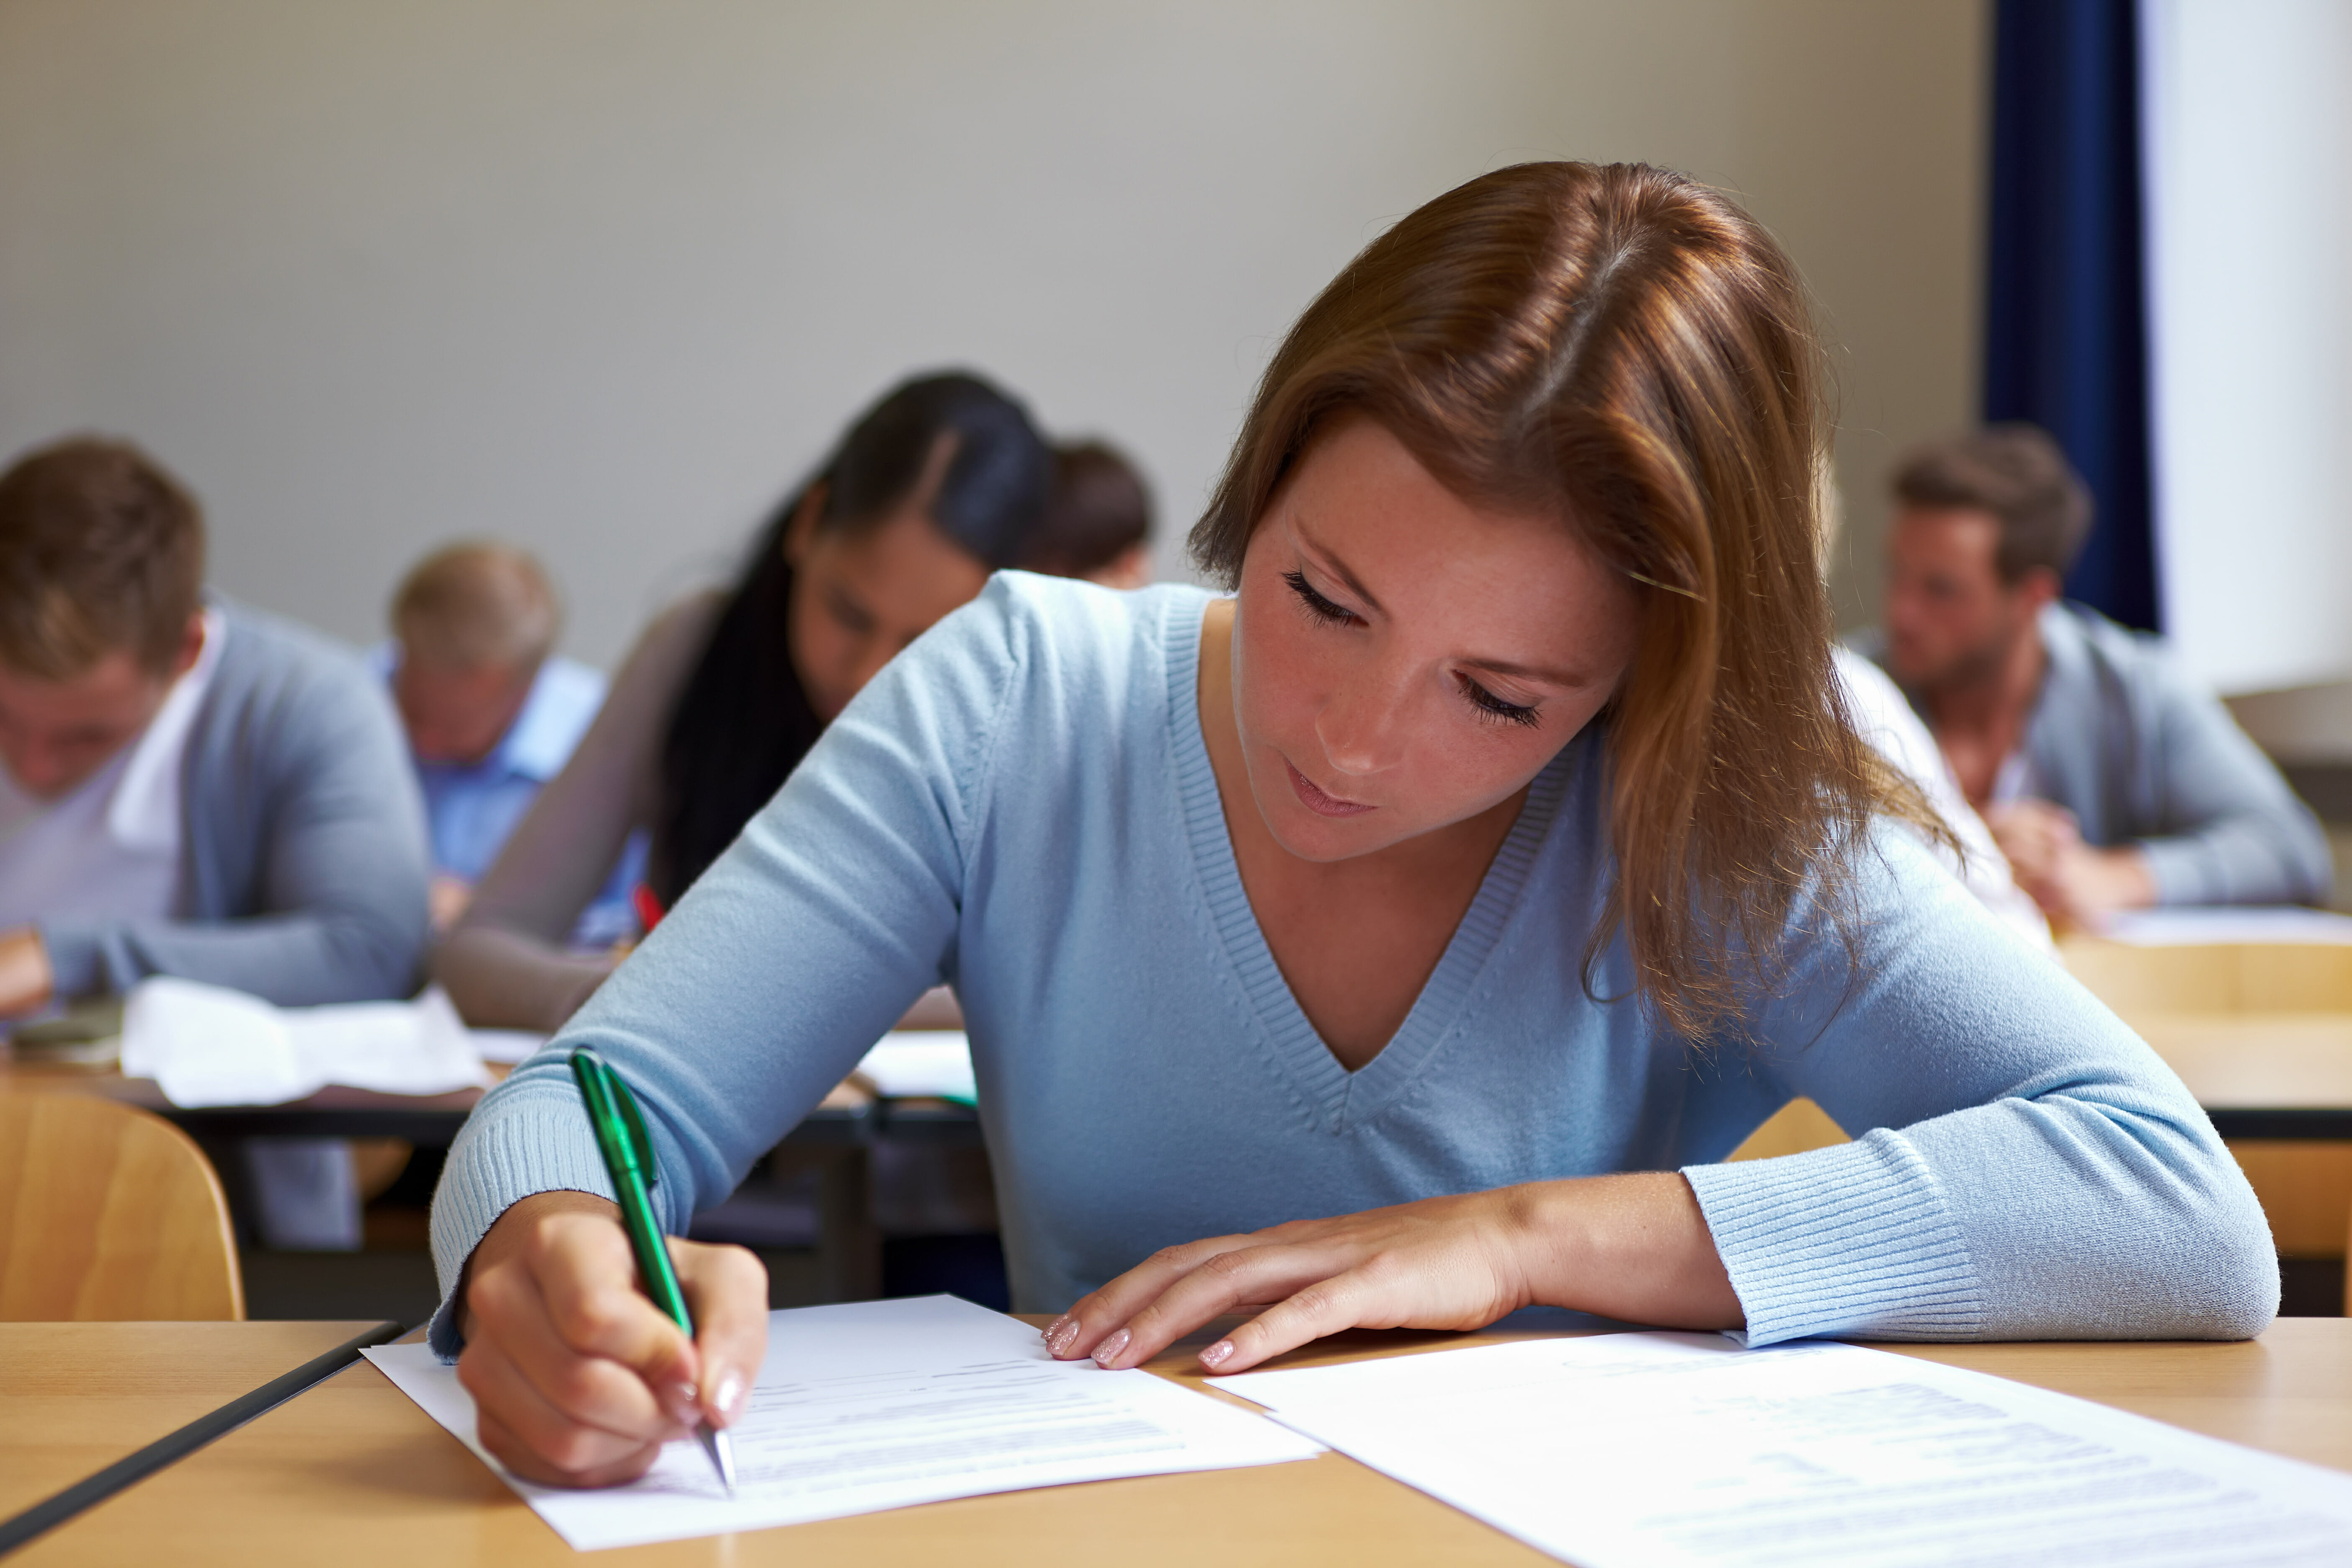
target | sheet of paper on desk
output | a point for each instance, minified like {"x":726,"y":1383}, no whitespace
{"x":923,"y":1062}
{"x":506,"y":1047}
{"x":1685,"y":1451}
{"x":206,"y":1044}
{"x":880,"y":1404}
{"x":2219,"y":927}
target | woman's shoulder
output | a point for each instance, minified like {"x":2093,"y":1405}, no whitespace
{"x":1071,"y":640}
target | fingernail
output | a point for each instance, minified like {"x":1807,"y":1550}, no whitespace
{"x":1216,"y":1355}
{"x":684,"y":1400}
{"x":1053,"y":1327}
{"x":730,"y":1395}
{"x":1062,"y":1335}
{"x":1108,"y":1350}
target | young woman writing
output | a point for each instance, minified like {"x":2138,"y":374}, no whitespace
{"x":1403,"y":940}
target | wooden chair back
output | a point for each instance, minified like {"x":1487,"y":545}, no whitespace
{"x":109,"y":1213}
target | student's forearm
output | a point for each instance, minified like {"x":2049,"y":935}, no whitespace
{"x":1632,"y":1246}
{"x":295,"y":959}
{"x":502,"y":979}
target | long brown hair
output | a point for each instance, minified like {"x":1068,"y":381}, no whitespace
{"x":1628,"y":349}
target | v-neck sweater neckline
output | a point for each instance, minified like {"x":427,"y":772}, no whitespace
{"x":1341,"y":1099}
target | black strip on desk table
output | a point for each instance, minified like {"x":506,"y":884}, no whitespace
{"x":46,"y":1516}
{"x":2325,"y":1123}
{"x":434,"y":1129}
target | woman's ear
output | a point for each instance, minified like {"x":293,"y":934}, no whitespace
{"x":801,"y":531}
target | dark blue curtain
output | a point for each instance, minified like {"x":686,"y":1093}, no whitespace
{"x":2065,"y":317}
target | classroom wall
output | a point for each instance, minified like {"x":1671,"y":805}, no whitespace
{"x":605,"y":278}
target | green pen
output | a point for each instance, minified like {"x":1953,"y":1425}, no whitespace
{"x":629,"y":1158}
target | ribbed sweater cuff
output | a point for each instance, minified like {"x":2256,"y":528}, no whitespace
{"x":493,"y":1166}
{"x":1853,"y":1240}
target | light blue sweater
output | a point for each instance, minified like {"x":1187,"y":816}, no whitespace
{"x":1022,"y":805}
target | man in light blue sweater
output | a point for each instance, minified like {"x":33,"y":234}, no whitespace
{"x":190,"y":788}
{"x":2110,"y":778}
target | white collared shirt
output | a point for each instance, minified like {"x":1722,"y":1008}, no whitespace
{"x":110,"y":847}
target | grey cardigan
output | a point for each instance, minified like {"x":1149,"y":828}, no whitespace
{"x":2142,"y":754}
{"x":302,"y":853}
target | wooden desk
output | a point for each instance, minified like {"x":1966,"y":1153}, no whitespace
{"x":352,"y":1472}
{"x":2218,"y":977}
{"x":2260,"y":1075}
{"x":2260,"y":1032}
{"x":835,"y":1140}
{"x":75,"y":1397}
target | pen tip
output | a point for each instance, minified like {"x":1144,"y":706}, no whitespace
{"x":722,"y":1456}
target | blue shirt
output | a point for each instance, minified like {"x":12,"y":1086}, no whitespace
{"x":472,"y":808}
{"x":1022,"y":805}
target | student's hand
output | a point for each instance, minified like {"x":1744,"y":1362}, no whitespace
{"x":2091,"y":884}
{"x":1632,"y":1247}
{"x":2071,"y":880}
{"x":27,"y":982}
{"x":446,"y":898}
{"x":577,"y":1377}
{"x":2035,"y":837}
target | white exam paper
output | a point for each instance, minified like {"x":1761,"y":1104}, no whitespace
{"x":507,"y":1046}
{"x":206,"y":1044}
{"x":2207,"y":927}
{"x":880,"y":1404}
{"x":1685,"y":1451}
{"x":923,"y":1062}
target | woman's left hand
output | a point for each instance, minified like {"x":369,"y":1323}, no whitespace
{"x":1441,"y":1262}
{"x":1631,"y":1246}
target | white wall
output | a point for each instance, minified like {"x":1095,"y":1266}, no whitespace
{"x":604,"y":277}
{"x":2248,"y":132}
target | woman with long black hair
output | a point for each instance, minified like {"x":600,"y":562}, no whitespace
{"x":941,"y":482}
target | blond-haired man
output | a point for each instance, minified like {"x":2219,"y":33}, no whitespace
{"x":492,"y":712}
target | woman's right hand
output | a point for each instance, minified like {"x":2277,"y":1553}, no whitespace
{"x":577,"y":1377}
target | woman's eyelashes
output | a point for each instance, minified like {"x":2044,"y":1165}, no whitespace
{"x":1317,"y":607}
{"x":1489,"y":706}
{"x":1493,"y":707}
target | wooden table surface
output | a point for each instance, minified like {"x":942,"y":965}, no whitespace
{"x":2255,"y":1061}
{"x":75,"y":1397}
{"x":352,"y":1472}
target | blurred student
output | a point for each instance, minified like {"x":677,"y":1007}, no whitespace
{"x":1098,"y":525}
{"x":1884,"y":719}
{"x":940,"y":483}
{"x":492,"y":714}
{"x":190,"y":788}
{"x":2111,"y":779}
